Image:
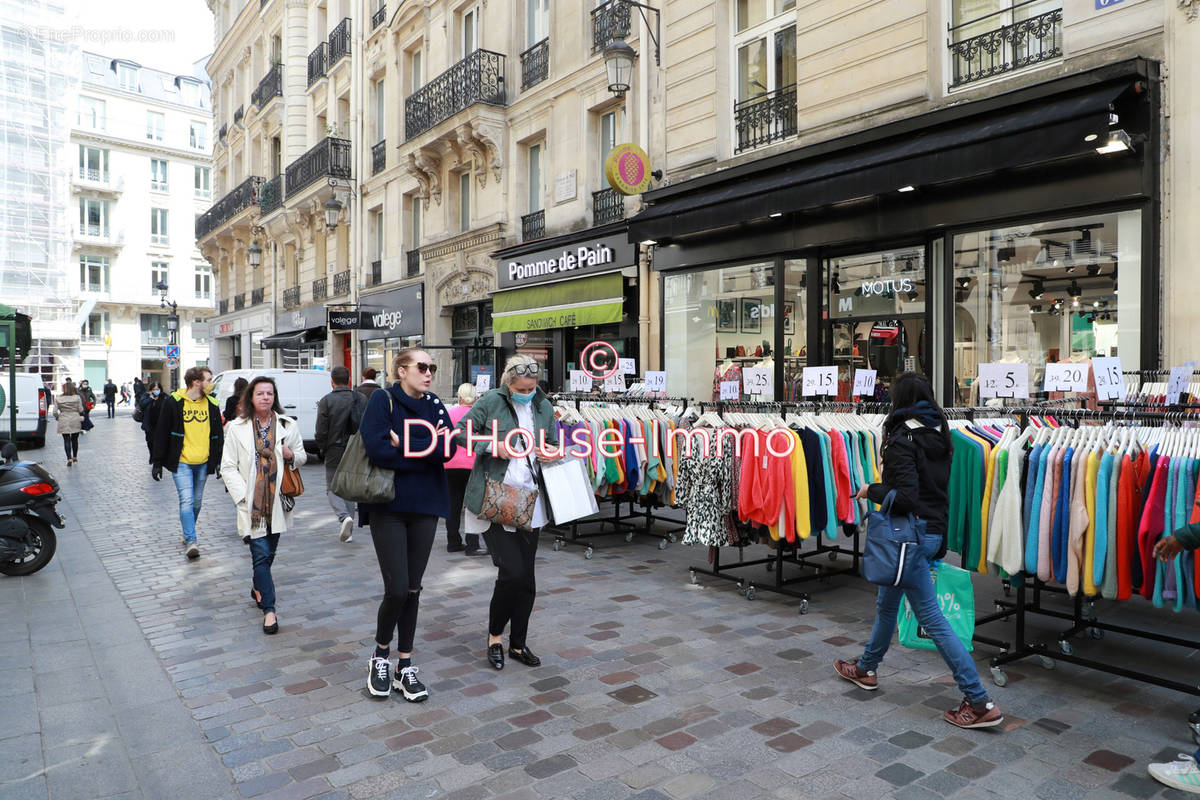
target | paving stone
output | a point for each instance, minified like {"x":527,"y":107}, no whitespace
{"x":519,"y":739}
{"x":550,"y":766}
{"x":788,"y":743}
{"x":1139,"y":786}
{"x":910,"y":740}
{"x":1107,"y":759}
{"x":676,"y":741}
{"x":971,"y":767}
{"x":899,"y":774}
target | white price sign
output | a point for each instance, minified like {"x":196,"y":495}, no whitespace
{"x":656,"y":382}
{"x":730,"y":390}
{"x":1066,"y":378}
{"x":1003,"y":380}
{"x":615,"y":382}
{"x":864,"y":382}
{"x":1110,"y":385}
{"x":1181,"y":379}
{"x":627,"y":366}
{"x":820,"y":381}
{"x":759,"y":381}
{"x":580,"y":381}
{"x":483,"y":382}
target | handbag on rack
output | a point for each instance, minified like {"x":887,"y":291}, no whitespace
{"x":357,"y":479}
{"x":892,"y":554}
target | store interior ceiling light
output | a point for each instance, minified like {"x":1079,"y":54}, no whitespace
{"x":777,"y":214}
{"x":1038,"y":290}
{"x":649,"y":242}
{"x":1118,"y":141}
{"x":907,"y":189}
{"x":1074,"y":290}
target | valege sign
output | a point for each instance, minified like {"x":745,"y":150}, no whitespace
{"x":581,"y":258}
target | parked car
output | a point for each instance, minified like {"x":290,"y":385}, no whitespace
{"x":32,"y":402}
{"x":299,"y":392}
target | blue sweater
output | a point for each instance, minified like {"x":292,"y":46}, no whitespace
{"x":420,"y":480}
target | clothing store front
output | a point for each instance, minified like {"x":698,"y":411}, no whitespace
{"x":558,"y":295}
{"x":391,"y":320}
{"x":1000,"y":230}
{"x":300,"y":340}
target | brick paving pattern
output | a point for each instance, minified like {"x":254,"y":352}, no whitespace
{"x":131,"y":672}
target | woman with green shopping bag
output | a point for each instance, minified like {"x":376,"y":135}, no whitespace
{"x":916,"y":465}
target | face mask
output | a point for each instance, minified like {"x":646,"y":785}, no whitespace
{"x":156,"y":393}
{"x":523,"y":399}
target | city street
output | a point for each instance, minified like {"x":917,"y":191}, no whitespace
{"x":130,"y":672}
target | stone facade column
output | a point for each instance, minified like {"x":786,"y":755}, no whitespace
{"x":295,"y":80}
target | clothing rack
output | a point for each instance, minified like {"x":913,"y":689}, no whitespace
{"x":616,"y":398}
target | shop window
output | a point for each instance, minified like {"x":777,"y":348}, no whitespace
{"x":1047,"y":292}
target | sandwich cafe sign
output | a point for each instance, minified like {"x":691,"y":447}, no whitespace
{"x":586,"y":257}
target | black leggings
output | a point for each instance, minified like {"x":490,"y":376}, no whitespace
{"x":457,"y":481}
{"x":71,"y":444}
{"x":516,"y":587}
{"x":402,"y":544}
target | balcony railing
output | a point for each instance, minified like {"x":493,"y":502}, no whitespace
{"x":413,"y":265}
{"x":291,"y":297}
{"x":376,"y":273}
{"x":379,"y":17}
{"x":153,"y":339}
{"x":241,"y":198}
{"x":535,"y":64}
{"x":339,"y":42}
{"x":608,"y":205}
{"x":256,"y":297}
{"x":239,"y":115}
{"x":93,"y":175}
{"x":239,"y":301}
{"x":329,"y":159}
{"x":223,"y":306}
{"x":766,"y":118}
{"x":320,"y":288}
{"x":478,"y":78}
{"x":533,"y":226}
{"x":341,"y":284}
{"x":378,"y":157}
{"x":317,"y":63}
{"x":610,"y":21}
{"x":269,"y":87}
{"x":270,"y":197}
{"x":1006,"y":47}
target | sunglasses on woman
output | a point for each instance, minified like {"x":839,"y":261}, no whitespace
{"x":525,"y":370}
{"x":422,"y":367}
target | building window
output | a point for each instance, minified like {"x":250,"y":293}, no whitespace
{"x":93,"y":163}
{"x":158,"y":226}
{"x":991,"y":37}
{"x":156,"y":126}
{"x":537,"y":21}
{"x":415,"y":71}
{"x":377,"y":231}
{"x":154,"y":329}
{"x":158,"y":174}
{"x":96,"y":327}
{"x":536,"y":190}
{"x":93,"y":274}
{"x":380,"y":111}
{"x":160,"y":272}
{"x":470,"y":31}
{"x":198,"y":136}
{"x":608,"y":139}
{"x":765,"y":56}
{"x":93,"y":217}
{"x":200,"y":333}
{"x":190,"y":92}
{"x":204,"y":281}
{"x":203,"y":182}
{"x":464,"y":201}
{"x":127,"y":77}
{"x":91,"y":113}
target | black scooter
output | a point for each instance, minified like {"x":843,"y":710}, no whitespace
{"x":28,"y":495}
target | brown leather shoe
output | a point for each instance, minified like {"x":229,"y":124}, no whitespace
{"x":850,"y":671}
{"x":967,"y":716}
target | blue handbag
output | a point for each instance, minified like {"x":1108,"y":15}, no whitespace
{"x":892,"y":555}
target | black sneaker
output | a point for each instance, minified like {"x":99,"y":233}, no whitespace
{"x":406,"y":681}
{"x":379,"y":677}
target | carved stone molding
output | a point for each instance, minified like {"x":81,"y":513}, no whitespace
{"x":426,"y":166}
{"x":465,"y":138}
{"x":490,"y":136}
{"x":1190,"y":8}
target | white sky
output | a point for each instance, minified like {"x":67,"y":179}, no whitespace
{"x":169,"y":35}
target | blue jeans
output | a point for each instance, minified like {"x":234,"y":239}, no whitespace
{"x":262,"y":554}
{"x":189,"y":482}
{"x":924,"y":602}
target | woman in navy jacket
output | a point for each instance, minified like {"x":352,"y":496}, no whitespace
{"x":403,"y":530}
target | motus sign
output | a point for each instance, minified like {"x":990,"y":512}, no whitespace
{"x":886,"y":286}
{"x":584,"y":257}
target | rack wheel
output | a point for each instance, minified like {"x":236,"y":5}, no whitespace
{"x":694,"y":579}
{"x":741,"y":587}
{"x":662,"y":544}
{"x":1047,"y":662}
{"x":803,"y":606}
{"x":1007,"y":593}
{"x":998,"y":677}
{"x":750,"y":593}
{"x":588,"y":553}
{"x":1096,"y":633}
{"x":672,"y":538}
{"x":833,"y":556}
{"x":1067,"y":648}
{"x":1194,"y":724}
{"x":629,"y":536}
{"x":557,"y":545}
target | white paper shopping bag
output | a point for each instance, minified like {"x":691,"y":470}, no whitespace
{"x":568,"y":490}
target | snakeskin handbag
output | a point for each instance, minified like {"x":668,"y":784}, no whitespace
{"x":508,"y":505}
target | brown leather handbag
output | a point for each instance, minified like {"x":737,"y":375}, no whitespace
{"x":291,"y":484}
{"x":508,"y":505}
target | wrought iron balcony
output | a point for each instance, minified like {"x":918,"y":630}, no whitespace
{"x":379,"y":17}
{"x":269,"y":87}
{"x":270,"y":196}
{"x":376,"y":273}
{"x":318,"y":63}
{"x":339,"y":42}
{"x":320,"y":288}
{"x":239,"y":115}
{"x":533,"y":226}
{"x":223,"y":306}
{"x":256,"y":297}
{"x":329,"y":159}
{"x":478,"y":78}
{"x":379,"y":157}
{"x":239,"y":301}
{"x":535,"y":64}
{"x":766,"y":118}
{"x":291,"y":297}
{"x":341,"y":284}
{"x":608,"y":205}
{"x":413,"y":265}
{"x":610,"y":21}
{"x":1006,"y":47}
{"x":241,"y":198}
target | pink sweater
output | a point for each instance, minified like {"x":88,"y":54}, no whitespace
{"x":463,"y":458}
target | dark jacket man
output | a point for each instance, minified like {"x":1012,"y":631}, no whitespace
{"x":338,"y":414}
{"x":168,"y":433}
{"x":110,"y":392}
{"x":369,"y":383}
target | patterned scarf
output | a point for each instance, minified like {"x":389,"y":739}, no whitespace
{"x":266,"y":473}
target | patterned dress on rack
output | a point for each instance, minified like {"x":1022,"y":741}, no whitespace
{"x":703,"y":490}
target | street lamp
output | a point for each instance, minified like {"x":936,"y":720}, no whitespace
{"x":333,"y":210}
{"x":172,"y":327}
{"x":255,"y":253}
{"x":619,"y":56}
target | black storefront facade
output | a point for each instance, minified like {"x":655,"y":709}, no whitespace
{"x":1024,"y":227}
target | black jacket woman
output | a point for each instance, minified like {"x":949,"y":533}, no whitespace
{"x":916,"y":466}
{"x":233,"y":402}
{"x":151,"y":405}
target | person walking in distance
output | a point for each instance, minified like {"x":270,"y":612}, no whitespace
{"x":458,"y":471}
{"x":403,"y":530}
{"x":516,"y":404}
{"x":369,"y":384}
{"x":151,"y":407}
{"x":235,"y":399}
{"x":125,"y":395}
{"x":110,"y":398}
{"x":261,"y":442}
{"x":139,"y":389}
{"x":188,"y":438}
{"x":338,"y":416}
{"x":68,"y":410}
{"x":88,"y":396}
{"x":916,"y":457}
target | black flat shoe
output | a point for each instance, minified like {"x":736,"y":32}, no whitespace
{"x":525,"y":656}
{"x":273,"y":628}
{"x":254,"y":597}
{"x":496,"y":655}
{"x":477,"y":552}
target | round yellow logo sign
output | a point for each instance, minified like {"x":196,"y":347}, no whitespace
{"x":627,"y":169}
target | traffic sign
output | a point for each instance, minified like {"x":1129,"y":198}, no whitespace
{"x":172,"y":363}
{"x":173,"y":351}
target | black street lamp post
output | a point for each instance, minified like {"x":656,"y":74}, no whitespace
{"x":172,"y":330}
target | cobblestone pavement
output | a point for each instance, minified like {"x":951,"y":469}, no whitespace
{"x":130,"y":672}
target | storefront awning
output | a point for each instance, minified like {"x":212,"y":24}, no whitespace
{"x":596,"y":300}
{"x":293,"y":340}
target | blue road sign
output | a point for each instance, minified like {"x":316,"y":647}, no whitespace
{"x":172,"y":351}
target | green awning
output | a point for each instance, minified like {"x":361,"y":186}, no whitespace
{"x":596,"y":300}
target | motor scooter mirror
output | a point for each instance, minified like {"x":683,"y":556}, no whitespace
{"x":9,"y":453}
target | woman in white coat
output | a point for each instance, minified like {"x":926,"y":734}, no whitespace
{"x":257,"y":446}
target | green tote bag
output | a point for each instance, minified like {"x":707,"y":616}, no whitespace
{"x":957,"y":599}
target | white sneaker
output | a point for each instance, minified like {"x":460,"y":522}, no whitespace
{"x":347,"y":533}
{"x":1183,"y":774}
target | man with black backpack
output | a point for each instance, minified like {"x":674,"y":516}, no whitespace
{"x":338,"y":416}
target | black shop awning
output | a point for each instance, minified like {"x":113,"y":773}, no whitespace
{"x":293,"y":340}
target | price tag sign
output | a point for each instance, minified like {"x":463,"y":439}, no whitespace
{"x":730,"y":390}
{"x":819,"y":381}
{"x":656,"y":382}
{"x":483,"y":382}
{"x":1003,"y":380}
{"x":1181,"y":379}
{"x":1066,"y":378}
{"x":627,"y":366}
{"x":1110,"y":385}
{"x":864,"y":383}
{"x":615,"y":382}
{"x":759,"y":381}
{"x":580,"y":381}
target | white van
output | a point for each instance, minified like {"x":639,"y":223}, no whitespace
{"x":32,"y":404}
{"x":300,"y":390}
